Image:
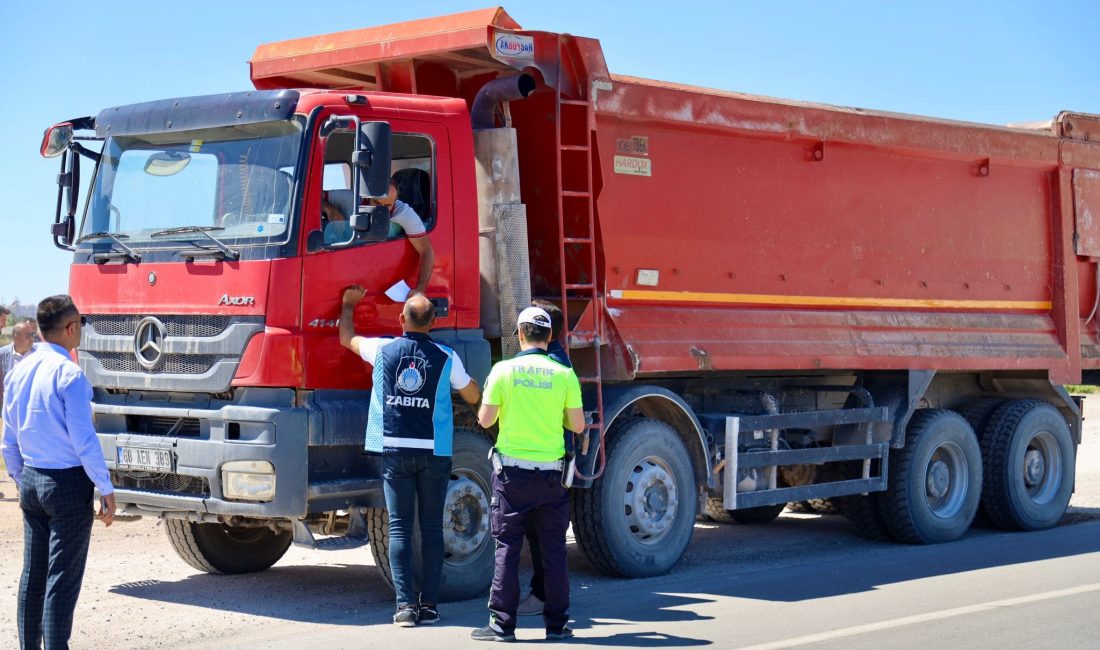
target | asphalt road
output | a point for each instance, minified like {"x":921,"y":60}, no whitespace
{"x":803,"y":580}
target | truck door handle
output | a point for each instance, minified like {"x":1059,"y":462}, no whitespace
{"x":442,"y":307}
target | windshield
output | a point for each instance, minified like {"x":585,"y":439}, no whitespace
{"x":234,"y":182}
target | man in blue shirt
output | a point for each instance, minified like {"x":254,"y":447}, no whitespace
{"x":53,"y":454}
{"x":411,"y":424}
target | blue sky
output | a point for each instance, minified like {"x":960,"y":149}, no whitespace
{"x":993,"y":62}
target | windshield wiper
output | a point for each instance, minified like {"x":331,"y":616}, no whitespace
{"x":222,"y":250}
{"x":126,"y":253}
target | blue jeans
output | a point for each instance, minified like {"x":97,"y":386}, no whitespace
{"x":416,"y":484}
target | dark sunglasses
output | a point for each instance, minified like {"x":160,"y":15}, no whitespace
{"x":83,"y":321}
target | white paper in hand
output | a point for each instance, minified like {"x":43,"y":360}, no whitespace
{"x":398,"y":292}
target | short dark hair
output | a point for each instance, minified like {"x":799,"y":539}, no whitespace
{"x":54,"y":311}
{"x":535,"y":334}
{"x":557,"y":319}
{"x":4,"y":311}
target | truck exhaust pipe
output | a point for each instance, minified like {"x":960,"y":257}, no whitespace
{"x":502,"y":216}
{"x":499,"y":90}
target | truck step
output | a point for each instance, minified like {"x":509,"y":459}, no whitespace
{"x":342,"y":543}
{"x":356,"y":537}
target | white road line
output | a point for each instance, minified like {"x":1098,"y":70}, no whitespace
{"x":921,"y":618}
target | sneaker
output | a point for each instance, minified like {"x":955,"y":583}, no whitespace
{"x":492,"y":632}
{"x":405,"y":616}
{"x":559,"y":635}
{"x":428,"y":615}
{"x":531,"y":606}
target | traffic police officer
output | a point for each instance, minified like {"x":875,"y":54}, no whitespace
{"x":532,"y":396}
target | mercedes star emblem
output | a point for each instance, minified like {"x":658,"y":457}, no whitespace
{"x":149,"y":342}
{"x":152,"y":278}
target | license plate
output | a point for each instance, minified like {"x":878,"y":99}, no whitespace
{"x":155,"y":460}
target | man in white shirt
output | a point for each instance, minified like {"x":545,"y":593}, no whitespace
{"x":22,"y":342}
{"x":404,"y":219}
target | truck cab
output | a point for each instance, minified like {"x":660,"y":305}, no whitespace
{"x":211,"y":278}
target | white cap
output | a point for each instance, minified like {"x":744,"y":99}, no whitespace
{"x":534,"y":315}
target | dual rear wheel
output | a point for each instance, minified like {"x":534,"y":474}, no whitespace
{"x":1017,"y":467}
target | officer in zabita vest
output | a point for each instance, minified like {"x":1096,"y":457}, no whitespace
{"x":412,"y":426}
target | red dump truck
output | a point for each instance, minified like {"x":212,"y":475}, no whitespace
{"x":768,"y":301}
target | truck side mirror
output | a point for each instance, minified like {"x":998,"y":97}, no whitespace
{"x":372,"y":158}
{"x":56,"y":140}
{"x":64,"y":231}
{"x":68,"y":185}
{"x":372,"y":222}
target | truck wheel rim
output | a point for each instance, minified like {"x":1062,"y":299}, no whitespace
{"x":946,"y":480}
{"x":465,"y":517}
{"x":650,"y":501}
{"x":1042,"y":467}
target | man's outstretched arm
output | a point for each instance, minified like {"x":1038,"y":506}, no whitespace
{"x":423,"y":246}
{"x":348,"y":299}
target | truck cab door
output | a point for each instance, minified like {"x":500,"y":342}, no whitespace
{"x":417,"y":149}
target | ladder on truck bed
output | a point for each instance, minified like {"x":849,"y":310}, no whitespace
{"x":574,"y":125}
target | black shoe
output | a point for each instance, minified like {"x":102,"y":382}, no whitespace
{"x":492,"y":633}
{"x":406,"y":616}
{"x":559,"y":635}
{"x":428,"y":615}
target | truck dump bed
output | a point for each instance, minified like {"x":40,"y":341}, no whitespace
{"x":737,"y":232}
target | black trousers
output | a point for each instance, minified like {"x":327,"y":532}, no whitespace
{"x":520,"y":495}
{"x":538,"y":574}
{"x":57,"y":527}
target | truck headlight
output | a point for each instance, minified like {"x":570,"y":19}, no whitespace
{"x":248,"y":480}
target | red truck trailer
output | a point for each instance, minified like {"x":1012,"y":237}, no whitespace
{"x":768,"y":301}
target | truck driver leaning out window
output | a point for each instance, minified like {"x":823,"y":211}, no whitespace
{"x":402,"y":219}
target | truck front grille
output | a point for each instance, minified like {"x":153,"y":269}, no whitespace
{"x":194,"y":352}
{"x":176,"y":364}
{"x":126,"y":325}
{"x":172,"y":483}
{"x":152,"y":425}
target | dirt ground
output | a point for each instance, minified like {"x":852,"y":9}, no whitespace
{"x":138,"y":594}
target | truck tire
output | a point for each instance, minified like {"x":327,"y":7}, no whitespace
{"x":826,"y":506}
{"x":863,"y":511}
{"x":979,"y":412}
{"x":467,"y":538}
{"x":1029,"y":460}
{"x":935,"y":480}
{"x":378,"y":531}
{"x":758,"y":515}
{"x":217,"y":548}
{"x":637,"y":520}
{"x":716,"y":512}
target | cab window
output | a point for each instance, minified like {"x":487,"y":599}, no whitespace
{"x":412,"y":171}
